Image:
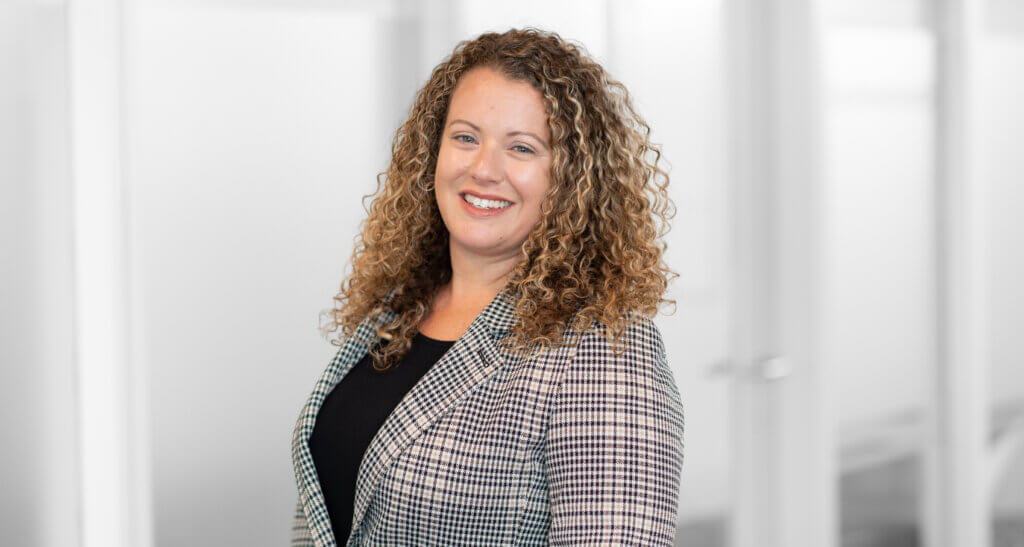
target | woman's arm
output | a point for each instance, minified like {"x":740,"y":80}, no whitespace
{"x":300,"y":529}
{"x":614,"y":450}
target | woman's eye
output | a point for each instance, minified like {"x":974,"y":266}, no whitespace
{"x":519,"y":147}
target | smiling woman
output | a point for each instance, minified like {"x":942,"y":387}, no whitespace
{"x":500,"y":380}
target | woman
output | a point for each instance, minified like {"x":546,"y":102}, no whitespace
{"x":499,"y":379}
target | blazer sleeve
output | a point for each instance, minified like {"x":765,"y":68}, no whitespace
{"x":301,"y":536}
{"x":614,"y":445}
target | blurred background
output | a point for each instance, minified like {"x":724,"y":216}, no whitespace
{"x":180,"y":186}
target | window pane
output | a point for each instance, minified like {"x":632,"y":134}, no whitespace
{"x":878,"y":267}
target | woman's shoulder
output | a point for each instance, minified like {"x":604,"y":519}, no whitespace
{"x":634,"y":330}
{"x":614,"y":370}
{"x":635,"y":345}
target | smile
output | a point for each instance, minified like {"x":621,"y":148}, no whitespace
{"x":484,"y":207}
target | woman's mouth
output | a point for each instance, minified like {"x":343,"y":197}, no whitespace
{"x":484,"y":207}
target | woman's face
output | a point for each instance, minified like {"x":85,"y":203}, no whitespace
{"x":495,"y":147}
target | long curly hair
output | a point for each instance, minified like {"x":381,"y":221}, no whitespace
{"x":595,"y":255}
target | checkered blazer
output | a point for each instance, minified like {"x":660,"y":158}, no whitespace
{"x":574,"y":446}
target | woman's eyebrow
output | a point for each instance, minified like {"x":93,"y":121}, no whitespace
{"x":509,"y":134}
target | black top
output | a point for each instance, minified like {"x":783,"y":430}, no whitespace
{"x":352,"y":414}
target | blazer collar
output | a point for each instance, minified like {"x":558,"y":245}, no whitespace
{"x":471,"y":360}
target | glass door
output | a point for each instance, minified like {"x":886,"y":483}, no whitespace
{"x":878,"y":263}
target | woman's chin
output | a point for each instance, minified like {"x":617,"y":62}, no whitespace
{"x":476,"y":244}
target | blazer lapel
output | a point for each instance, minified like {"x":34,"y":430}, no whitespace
{"x":473,"y":358}
{"x":470,"y":361}
{"x":310,"y":495}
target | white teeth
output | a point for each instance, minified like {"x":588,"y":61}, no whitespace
{"x":486,"y":203}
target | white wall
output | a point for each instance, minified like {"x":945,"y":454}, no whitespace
{"x":38,"y":473}
{"x":252,"y":133}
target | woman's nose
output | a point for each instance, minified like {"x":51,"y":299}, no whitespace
{"x":486,"y":165}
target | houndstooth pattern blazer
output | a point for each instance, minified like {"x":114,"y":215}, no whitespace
{"x":574,"y":446}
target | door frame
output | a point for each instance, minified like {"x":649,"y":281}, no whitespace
{"x":784,"y":470}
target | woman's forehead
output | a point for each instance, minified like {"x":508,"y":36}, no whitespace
{"x":491,"y":101}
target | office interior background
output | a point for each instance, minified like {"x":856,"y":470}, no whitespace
{"x":180,"y":186}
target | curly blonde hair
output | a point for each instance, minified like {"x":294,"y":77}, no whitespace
{"x":596,"y":253}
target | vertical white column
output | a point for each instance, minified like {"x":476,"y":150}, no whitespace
{"x":109,"y":504}
{"x":807,"y":478}
{"x":783,"y":446}
{"x":957,"y":504}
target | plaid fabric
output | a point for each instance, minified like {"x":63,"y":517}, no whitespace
{"x":573,"y":446}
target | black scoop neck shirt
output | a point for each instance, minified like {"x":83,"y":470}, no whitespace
{"x":350,"y":417}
